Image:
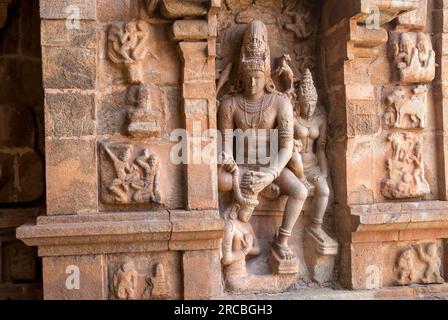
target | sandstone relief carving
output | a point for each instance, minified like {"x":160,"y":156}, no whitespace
{"x":143,"y":120}
{"x":135,"y":180}
{"x":309,"y":161}
{"x":407,"y":113}
{"x":414,"y":59}
{"x":405,"y":167}
{"x":259,"y":107}
{"x":301,"y":169}
{"x":301,"y":24}
{"x":419,"y":264}
{"x":130,"y":284}
{"x":240,"y":242}
{"x":127,"y":45}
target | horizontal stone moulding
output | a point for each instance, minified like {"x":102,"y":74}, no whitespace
{"x":428,"y":215}
{"x":123,"y":232}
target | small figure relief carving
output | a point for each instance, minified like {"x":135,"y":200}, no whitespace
{"x":130,"y":284}
{"x":301,"y":24}
{"x":407,"y":113}
{"x":128,"y":45}
{"x":135,"y":181}
{"x":419,"y":264}
{"x":143,"y":121}
{"x":284,"y":70}
{"x":415,"y":60}
{"x":240,"y":242}
{"x":125,"y":282}
{"x":406,"y":175}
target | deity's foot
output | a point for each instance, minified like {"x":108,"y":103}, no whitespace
{"x":282,"y":250}
{"x":282,"y":259}
{"x":326,"y":245}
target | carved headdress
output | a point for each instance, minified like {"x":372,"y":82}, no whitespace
{"x":255,"y":52}
{"x":307,"y":89}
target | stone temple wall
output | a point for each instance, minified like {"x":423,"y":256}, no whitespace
{"x":127,"y":99}
{"x":22,"y":182}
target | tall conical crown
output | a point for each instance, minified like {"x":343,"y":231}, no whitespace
{"x":307,"y":89}
{"x":255,"y":52}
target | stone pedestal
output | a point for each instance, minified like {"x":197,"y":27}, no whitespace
{"x":320,"y":257}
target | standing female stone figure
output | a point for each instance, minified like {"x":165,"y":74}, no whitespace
{"x":310,"y":128}
{"x":257,"y":110}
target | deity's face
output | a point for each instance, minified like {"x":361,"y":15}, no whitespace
{"x":152,"y":161}
{"x":245,"y":213}
{"x":308,"y":107}
{"x":254,"y":83}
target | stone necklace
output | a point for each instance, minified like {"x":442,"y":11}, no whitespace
{"x":252,"y":108}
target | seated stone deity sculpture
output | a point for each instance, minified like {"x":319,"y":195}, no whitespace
{"x":310,"y":166}
{"x":257,"y":109}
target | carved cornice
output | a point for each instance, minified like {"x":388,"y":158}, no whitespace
{"x":388,"y":9}
{"x":4,"y":11}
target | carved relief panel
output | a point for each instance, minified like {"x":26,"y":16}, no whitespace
{"x":405,"y":167}
{"x":134,"y":176}
{"x":419,"y":264}
{"x":413,"y":57}
{"x":292,"y":41}
{"x":153,"y":277}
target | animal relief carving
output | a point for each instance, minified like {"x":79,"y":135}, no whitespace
{"x":404,"y":112}
{"x":419,"y":264}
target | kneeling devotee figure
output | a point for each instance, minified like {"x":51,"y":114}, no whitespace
{"x":255,"y":111}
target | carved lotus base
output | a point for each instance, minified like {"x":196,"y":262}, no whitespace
{"x":282,"y":266}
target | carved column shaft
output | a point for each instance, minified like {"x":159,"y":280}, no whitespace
{"x":198,"y":51}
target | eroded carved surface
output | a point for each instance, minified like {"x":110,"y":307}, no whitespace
{"x":419,"y":264}
{"x":135,"y":177}
{"x":414,"y":57}
{"x":405,"y":167}
{"x":407,"y":112}
{"x":130,"y":284}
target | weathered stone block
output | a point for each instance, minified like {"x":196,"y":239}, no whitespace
{"x":74,"y":278}
{"x":69,"y":114}
{"x":57,"y":9}
{"x":56,"y":34}
{"x":68,"y":68}
{"x":71,"y":176}
{"x":202,"y":274}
